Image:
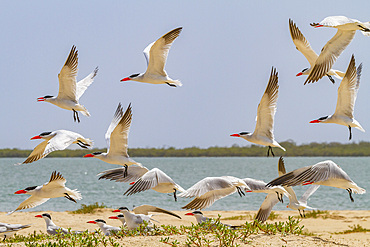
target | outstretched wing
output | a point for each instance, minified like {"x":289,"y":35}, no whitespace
{"x":85,"y":83}
{"x":67,"y":77}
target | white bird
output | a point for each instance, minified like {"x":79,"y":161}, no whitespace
{"x":70,"y":90}
{"x":53,"y":229}
{"x":347,"y":94}
{"x":8,"y":230}
{"x":156,"y":55}
{"x":134,"y":172}
{"x":294,"y":203}
{"x":52,"y":189}
{"x":106,"y":229}
{"x":201,"y":218}
{"x":304,"y":47}
{"x":211,"y":189}
{"x":157,"y":180}
{"x":56,"y":140}
{"x":264,"y":132}
{"x":141,"y":214}
{"x":334,"y":47}
{"x":117,"y":140}
{"x":323,"y":173}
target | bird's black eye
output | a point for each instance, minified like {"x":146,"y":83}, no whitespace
{"x":244,"y":133}
{"x":323,"y":118}
{"x":48,"y":96}
{"x":45,"y":133}
{"x":30,"y":188}
{"x":134,"y":75}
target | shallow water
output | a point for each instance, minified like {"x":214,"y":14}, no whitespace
{"x":81,"y":174}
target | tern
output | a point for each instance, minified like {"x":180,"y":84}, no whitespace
{"x":119,"y":217}
{"x":157,"y":180}
{"x":53,"y":229}
{"x":56,"y":140}
{"x":211,"y":189}
{"x":141,"y":214}
{"x":117,"y":139}
{"x":52,"y":189}
{"x":70,"y":90}
{"x":106,"y":229}
{"x":347,"y":94}
{"x":201,"y":219}
{"x":334,"y":47}
{"x":156,"y":55}
{"x":323,"y":173}
{"x":304,"y":47}
{"x":8,"y":230}
{"x":294,"y":203}
{"x":264,"y":132}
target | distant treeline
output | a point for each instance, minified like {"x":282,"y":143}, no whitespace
{"x":312,"y":149}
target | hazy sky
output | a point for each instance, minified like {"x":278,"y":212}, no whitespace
{"x":223,"y":57}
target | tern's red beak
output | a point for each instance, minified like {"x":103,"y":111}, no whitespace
{"x":20,"y":192}
{"x":39,"y":216}
{"x":116,"y":211}
{"x":132,"y":183}
{"x":189,"y":214}
{"x":299,"y":74}
{"x":113,"y":217}
{"x":315,"y":121}
{"x":36,"y":137}
{"x":88,"y":155}
{"x":235,"y":135}
{"x":319,"y":25}
{"x":40,"y":99}
{"x":91,"y":221}
{"x":126,"y":79}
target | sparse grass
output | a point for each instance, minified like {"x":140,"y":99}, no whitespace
{"x":354,"y":228}
{"x":238,"y":217}
{"x":273,"y":216}
{"x":206,"y":234}
{"x":318,"y":213}
{"x":87,"y":209}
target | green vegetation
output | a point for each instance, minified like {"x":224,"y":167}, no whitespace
{"x":88,"y":209}
{"x":312,"y":149}
{"x":354,"y":228}
{"x":206,"y":234}
{"x":317,"y":213}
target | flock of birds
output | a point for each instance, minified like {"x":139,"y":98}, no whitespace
{"x":209,"y":189}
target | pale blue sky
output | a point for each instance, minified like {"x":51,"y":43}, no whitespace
{"x":223,"y":57}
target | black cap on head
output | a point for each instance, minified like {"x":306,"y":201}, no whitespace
{"x":30,"y":188}
{"x":134,"y":75}
{"x":46,"y":215}
{"x":123,"y":208}
{"x":197,"y":212}
{"x":45,"y":133}
{"x":100,"y":220}
{"x":244,"y":133}
{"x":48,"y":96}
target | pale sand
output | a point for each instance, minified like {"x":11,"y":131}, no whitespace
{"x":323,"y":229}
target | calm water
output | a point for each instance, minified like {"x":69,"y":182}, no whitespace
{"x":81,"y":174}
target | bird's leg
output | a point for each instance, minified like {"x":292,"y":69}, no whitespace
{"x":240,"y":192}
{"x":174,"y":195}
{"x":85,"y":144}
{"x":304,"y":214}
{"x":70,"y":198}
{"x":81,"y":145}
{"x":330,"y":78}
{"x":270,"y":149}
{"x":280,"y":197}
{"x":300,"y":213}
{"x":350,"y":194}
{"x":74,"y":115}
{"x":78,"y":119}
{"x":172,"y":85}
{"x":350,"y":132}
{"x":125,"y":172}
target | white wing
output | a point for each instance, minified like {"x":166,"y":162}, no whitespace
{"x":302,"y":44}
{"x":267,"y":108}
{"x":117,"y":133}
{"x":347,"y":91}
{"x":264,"y":212}
{"x":56,"y":180}
{"x":31,"y":202}
{"x":148,"y":181}
{"x":312,"y":189}
{"x":329,"y":54}
{"x":206,"y":185}
{"x":281,"y":170}
{"x":145,"y":209}
{"x":158,"y":52}
{"x":67,"y":77}
{"x":85,"y":83}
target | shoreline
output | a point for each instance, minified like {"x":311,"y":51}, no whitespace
{"x":322,"y":230}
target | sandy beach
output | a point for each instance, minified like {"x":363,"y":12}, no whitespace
{"x":323,"y":230}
